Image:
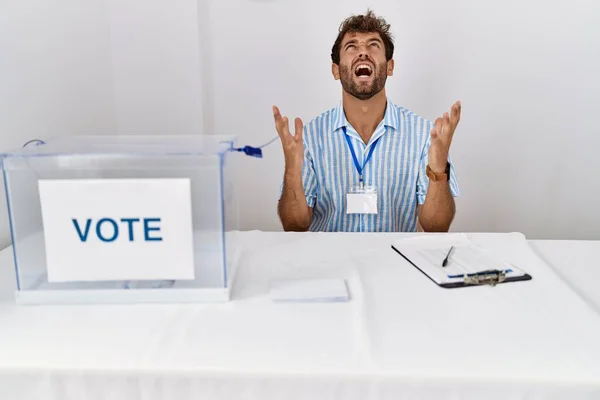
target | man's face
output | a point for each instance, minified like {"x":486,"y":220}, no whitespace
{"x":363,"y":69}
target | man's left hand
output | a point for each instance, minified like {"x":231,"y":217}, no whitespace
{"x":441,"y":138}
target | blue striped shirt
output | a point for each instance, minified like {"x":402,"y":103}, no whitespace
{"x":396,"y":169}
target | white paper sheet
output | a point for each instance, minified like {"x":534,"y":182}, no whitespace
{"x":427,"y":252}
{"x":94,"y":227}
{"x":309,"y":290}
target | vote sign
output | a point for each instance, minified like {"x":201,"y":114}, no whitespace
{"x":117,"y":229}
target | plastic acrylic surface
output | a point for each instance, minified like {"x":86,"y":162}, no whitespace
{"x":201,"y":159}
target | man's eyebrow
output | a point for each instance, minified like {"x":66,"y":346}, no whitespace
{"x":370,"y":40}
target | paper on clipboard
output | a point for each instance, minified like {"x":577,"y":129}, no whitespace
{"x":427,"y":253}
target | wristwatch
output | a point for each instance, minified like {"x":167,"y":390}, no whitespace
{"x":439,"y":177}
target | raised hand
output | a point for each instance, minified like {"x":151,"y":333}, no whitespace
{"x":441,"y":138}
{"x":293,"y":145}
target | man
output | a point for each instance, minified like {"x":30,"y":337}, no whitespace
{"x":367,"y":165}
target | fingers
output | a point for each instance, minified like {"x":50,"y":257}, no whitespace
{"x":437,"y":129}
{"x":278,"y":121}
{"x":281,"y":123}
{"x":299,"y":127}
{"x":276,"y":113}
{"x":446,"y":125}
{"x":283,"y":127}
{"x":455,"y":113}
{"x":446,"y":129}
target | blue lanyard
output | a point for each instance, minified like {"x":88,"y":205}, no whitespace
{"x":356,"y":164}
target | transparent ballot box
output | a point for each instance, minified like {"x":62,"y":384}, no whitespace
{"x":118,"y":219}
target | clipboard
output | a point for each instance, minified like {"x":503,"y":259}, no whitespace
{"x":424,"y":250}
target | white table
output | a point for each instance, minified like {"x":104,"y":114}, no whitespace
{"x":578,"y":264}
{"x":399,"y":337}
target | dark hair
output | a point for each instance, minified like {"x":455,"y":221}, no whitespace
{"x":364,"y":24}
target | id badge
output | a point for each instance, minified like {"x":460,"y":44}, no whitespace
{"x":361,"y":200}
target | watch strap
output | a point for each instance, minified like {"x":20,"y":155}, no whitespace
{"x":439,"y":177}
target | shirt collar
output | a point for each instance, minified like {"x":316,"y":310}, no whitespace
{"x":390,"y":118}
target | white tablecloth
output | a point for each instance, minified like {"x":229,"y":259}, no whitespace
{"x":400,"y":336}
{"x":577,"y":262}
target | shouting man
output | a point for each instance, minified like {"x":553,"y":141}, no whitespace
{"x":367,"y":165}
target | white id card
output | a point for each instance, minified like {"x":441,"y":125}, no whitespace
{"x":361,"y":200}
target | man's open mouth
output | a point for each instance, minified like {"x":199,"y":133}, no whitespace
{"x":363,"y":70}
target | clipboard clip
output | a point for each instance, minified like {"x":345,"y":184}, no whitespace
{"x":491,"y":278}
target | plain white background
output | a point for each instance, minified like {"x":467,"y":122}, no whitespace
{"x":525,"y":71}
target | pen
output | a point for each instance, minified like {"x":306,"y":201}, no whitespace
{"x":447,"y":255}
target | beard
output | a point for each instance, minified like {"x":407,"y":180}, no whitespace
{"x":363,"y":90}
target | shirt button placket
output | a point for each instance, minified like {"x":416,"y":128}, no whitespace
{"x":363,"y":217}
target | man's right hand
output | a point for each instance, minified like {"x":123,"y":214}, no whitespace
{"x":293,"y":209}
{"x":293,"y":145}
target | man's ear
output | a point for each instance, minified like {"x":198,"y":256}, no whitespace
{"x":335,"y":71}
{"x":390,"y":67}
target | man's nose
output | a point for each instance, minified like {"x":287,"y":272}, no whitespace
{"x":362,"y":51}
